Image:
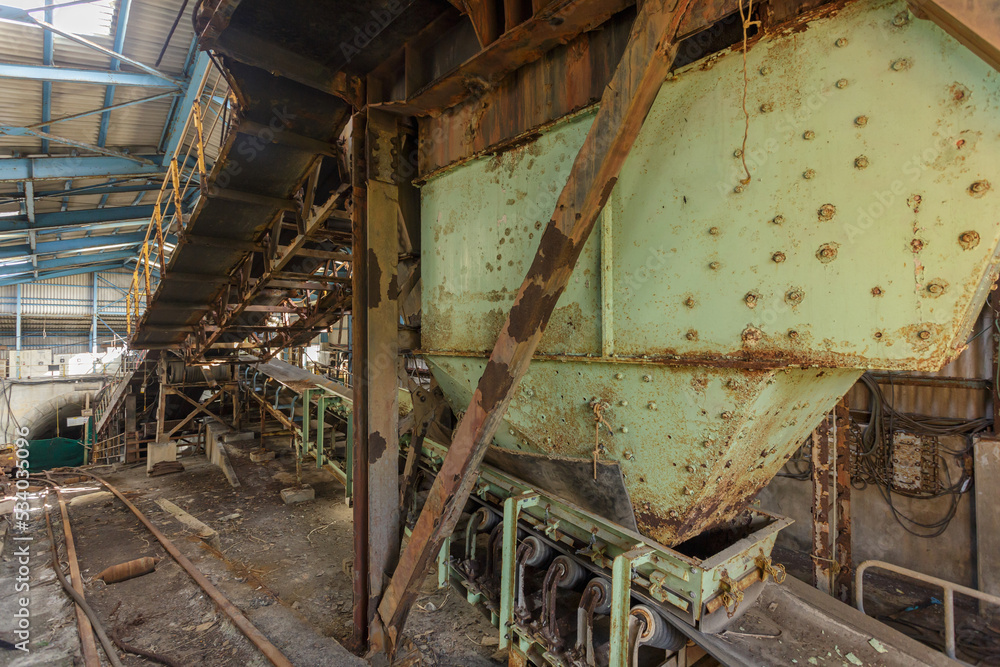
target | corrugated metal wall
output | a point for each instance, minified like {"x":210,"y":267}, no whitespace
{"x":976,"y":362}
{"x":71,"y":296}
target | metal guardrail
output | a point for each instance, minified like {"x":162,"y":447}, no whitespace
{"x":177,"y":183}
{"x":128,"y":363}
{"x":949,"y":595}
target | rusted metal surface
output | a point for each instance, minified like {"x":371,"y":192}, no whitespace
{"x":626,"y":102}
{"x":555,"y":24}
{"x":822,"y":550}
{"x":381,"y":250}
{"x":130,"y":570}
{"x":364,"y":610}
{"x":88,"y":645}
{"x":843,"y":581}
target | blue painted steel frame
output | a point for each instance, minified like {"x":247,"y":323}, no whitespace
{"x":124,"y":6}
{"x":72,"y":167}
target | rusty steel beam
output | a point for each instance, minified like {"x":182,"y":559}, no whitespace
{"x":364,"y":609}
{"x":822,"y":550}
{"x":974,"y":24}
{"x":381,"y":256}
{"x":557,"y":23}
{"x":624,"y":105}
{"x":843,"y":581}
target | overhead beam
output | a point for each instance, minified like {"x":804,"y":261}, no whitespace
{"x":124,"y":6}
{"x":105,"y":109}
{"x":90,"y":190}
{"x":71,"y":218}
{"x":11,"y":131}
{"x":625,"y":102}
{"x":102,"y":77}
{"x":53,"y":247}
{"x":65,"y":262}
{"x":13,"y":170}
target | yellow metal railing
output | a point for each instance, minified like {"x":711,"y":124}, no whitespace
{"x":168,"y":214}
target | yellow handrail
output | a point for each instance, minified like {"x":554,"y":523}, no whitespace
{"x":159,"y":224}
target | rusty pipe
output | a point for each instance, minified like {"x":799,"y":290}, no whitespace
{"x":251,"y":632}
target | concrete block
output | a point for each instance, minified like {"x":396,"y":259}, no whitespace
{"x":160,"y":452}
{"x":297,"y":494}
{"x":261,"y":455}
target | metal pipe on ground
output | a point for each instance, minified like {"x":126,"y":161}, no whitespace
{"x":251,"y":632}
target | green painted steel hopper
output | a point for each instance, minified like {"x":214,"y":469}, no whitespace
{"x":719,"y":321}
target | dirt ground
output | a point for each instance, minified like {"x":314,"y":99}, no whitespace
{"x":286,"y":567}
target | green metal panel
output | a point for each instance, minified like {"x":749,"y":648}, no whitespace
{"x":720,"y":320}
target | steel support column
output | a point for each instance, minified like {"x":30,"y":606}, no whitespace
{"x":93,"y":319}
{"x":822,"y":550}
{"x":627,"y":99}
{"x":843,"y":582}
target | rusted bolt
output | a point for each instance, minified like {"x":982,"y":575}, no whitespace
{"x":924,"y":335}
{"x":750,"y":299}
{"x":878,"y":335}
{"x":624,"y":429}
{"x":738,"y":152}
{"x":692,"y":335}
{"x":766,"y":107}
{"x":619,"y":376}
{"x":708,"y":443}
{"x":827,"y":211}
{"x":793,"y":334}
{"x":809,"y":173}
{"x":624,"y":404}
{"x":714,"y":266}
{"x":714,"y":231}
{"x":511,"y":431}
{"x":901,"y":19}
{"x":861,"y":162}
{"x":827,"y":252}
{"x":794,"y":297}
{"x":739,"y":188}
{"x":900,"y":64}
{"x":916,"y":245}
{"x":645,"y":505}
{"x":808,"y":135}
{"x":968,"y":240}
{"x":778,"y":219}
{"x":877,"y":291}
{"x":689,"y":302}
{"x":690,"y":468}
{"x":689,"y":492}
{"x":726,"y":415}
{"x":936,"y":289}
{"x":652,"y":405}
{"x":673,"y":514}
{"x":765,"y":70}
{"x":979,"y":188}
{"x":538,"y":225}
{"x":841,"y":83}
{"x":628,"y":455}
{"x":548,"y":439}
{"x":841,"y":42}
{"x":647,"y":378}
{"x":778,"y":257}
{"x":861,"y":121}
{"x":751,"y":335}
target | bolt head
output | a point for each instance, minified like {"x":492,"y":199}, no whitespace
{"x":738,"y":152}
{"x":842,"y":42}
{"x":827,"y":211}
{"x":689,"y":302}
{"x":968,"y":240}
{"x":714,"y":231}
{"x":979,"y":187}
{"x":808,"y":135}
{"x":861,"y":121}
{"x":714,"y":266}
{"x":842,"y":83}
{"x":726,"y":415}
{"x":861,"y":162}
{"x":750,"y":299}
{"x":690,"y":468}
{"x":652,"y":405}
{"x":809,"y":173}
{"x":619,"y":376}
{"x":877,"y":291}
{"x":924,"y":335}
{"x":624,"y":404}
{"x":739,"y":188}
{"x":778,"y":219}
{"x":765,"y":70}
{"x":708,"y":443}
{"x":766,"y":107}
{"x":624,"y":429}
{"x":692,"y":335}
{"x":900,"y":64}
{"x":778,"y":257}
{"x":878,"y":335}
{"x":793,"y":334}
{"x":673,"y":514}
{"x":935,"y":288}
{"x":647,"y":378}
